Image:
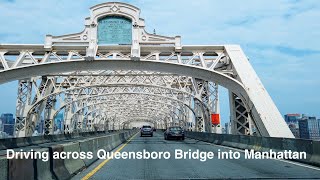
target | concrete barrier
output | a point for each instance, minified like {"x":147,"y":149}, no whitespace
{"x":13,"y":143}
{"x":56,"y":168}
{"x":73,"y":165}
{"x":105,"y":143}
{"x":312,"y":148}
{"x":216,"y":139}
{"x":21,"y":169}
{"x":272,"y":143}
{"x":43,"y":167}
{"x":10,"y":143}
{"x":299,"y":145}
{"x":115,"y":141}
{"x":254,"y":143}
{"x":206,"y":137}
{"x":227,"y":141}
{"x":89,"y":145}
{"x":315,"y":157}
{"x":4,"y":167}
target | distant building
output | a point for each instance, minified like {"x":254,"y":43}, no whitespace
{"x":309,"y":128}
{"x":40,"y":126}
{"x":227,"y":128}
{"x":58,"y":124}
{"x":223,"y":130}
{"x":295,"y":130}
{"x":7,"y":123}
{"x":58,"y":121}
{"x":7,"y":118}
{"x":292,"y":118}
{"x":1,"y":126}
{"x":9,"y":129}
{"x":3,"y":135}
{"x":292,"y":121}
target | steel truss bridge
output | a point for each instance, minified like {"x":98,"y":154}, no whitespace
{"x":153,"y":79}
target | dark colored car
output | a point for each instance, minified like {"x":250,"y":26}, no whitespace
{"x":146,"y":130}
{"x":174,"y":132}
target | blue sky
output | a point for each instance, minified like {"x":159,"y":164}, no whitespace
{"x":281,"y":38}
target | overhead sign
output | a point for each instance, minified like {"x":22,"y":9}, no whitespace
{"x":114,"y":30}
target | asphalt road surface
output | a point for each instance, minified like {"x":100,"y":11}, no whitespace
{"x":189,"y":168}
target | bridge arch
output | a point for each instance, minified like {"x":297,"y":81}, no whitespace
{"x":226,"y":65}
{"x":186,"y":70}
{"x":76,"y":65}
{"x":92,"y":96}
{"x":172,"y":100}
{"x":147,"y":110}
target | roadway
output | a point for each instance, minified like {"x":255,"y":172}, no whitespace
{"x":191,"y":169}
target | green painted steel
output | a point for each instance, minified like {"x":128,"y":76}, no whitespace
{"x":114,"y":30}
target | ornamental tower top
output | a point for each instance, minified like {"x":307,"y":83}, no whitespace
{"x":113,"y":23}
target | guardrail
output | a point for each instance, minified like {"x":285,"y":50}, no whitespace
{"x":56,"y":168}
{"x":312,"y":148}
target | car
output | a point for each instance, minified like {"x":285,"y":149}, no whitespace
{"x":146,"y":130}
{"x":174,"y":132}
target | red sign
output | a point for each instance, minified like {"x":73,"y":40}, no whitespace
{"x":215,"y":119}
{"x":293,"y":114}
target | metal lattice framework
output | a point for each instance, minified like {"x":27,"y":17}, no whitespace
{"x":153,"y":79}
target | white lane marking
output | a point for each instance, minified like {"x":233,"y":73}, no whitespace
{"x":287,"y":161}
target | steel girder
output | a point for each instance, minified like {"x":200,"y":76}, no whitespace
{"x":122,"y":78}
{"x":228,"y":66}
{"x":138,"y":97}
{"x":81,"y":83}
{"x":80,"y":103}
{"x":134,"y":114}
{"x":76,"y":93}
{"x":84,"y":84}
{"x":129,"y":109}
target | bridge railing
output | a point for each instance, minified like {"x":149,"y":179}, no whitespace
{"x":261,"y":144}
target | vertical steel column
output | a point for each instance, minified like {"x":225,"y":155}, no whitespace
{"x":22,"y":124}
{"x":79,"y":122}
{"x":214,"y":106}
{"x":200,"y":124}
{"x":48,"y":115}
{"x":89,"y":122}
{"x":240,"y":119}
{"x":68,"y":128}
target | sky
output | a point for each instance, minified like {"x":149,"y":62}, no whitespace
{"x":280,"y":38}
